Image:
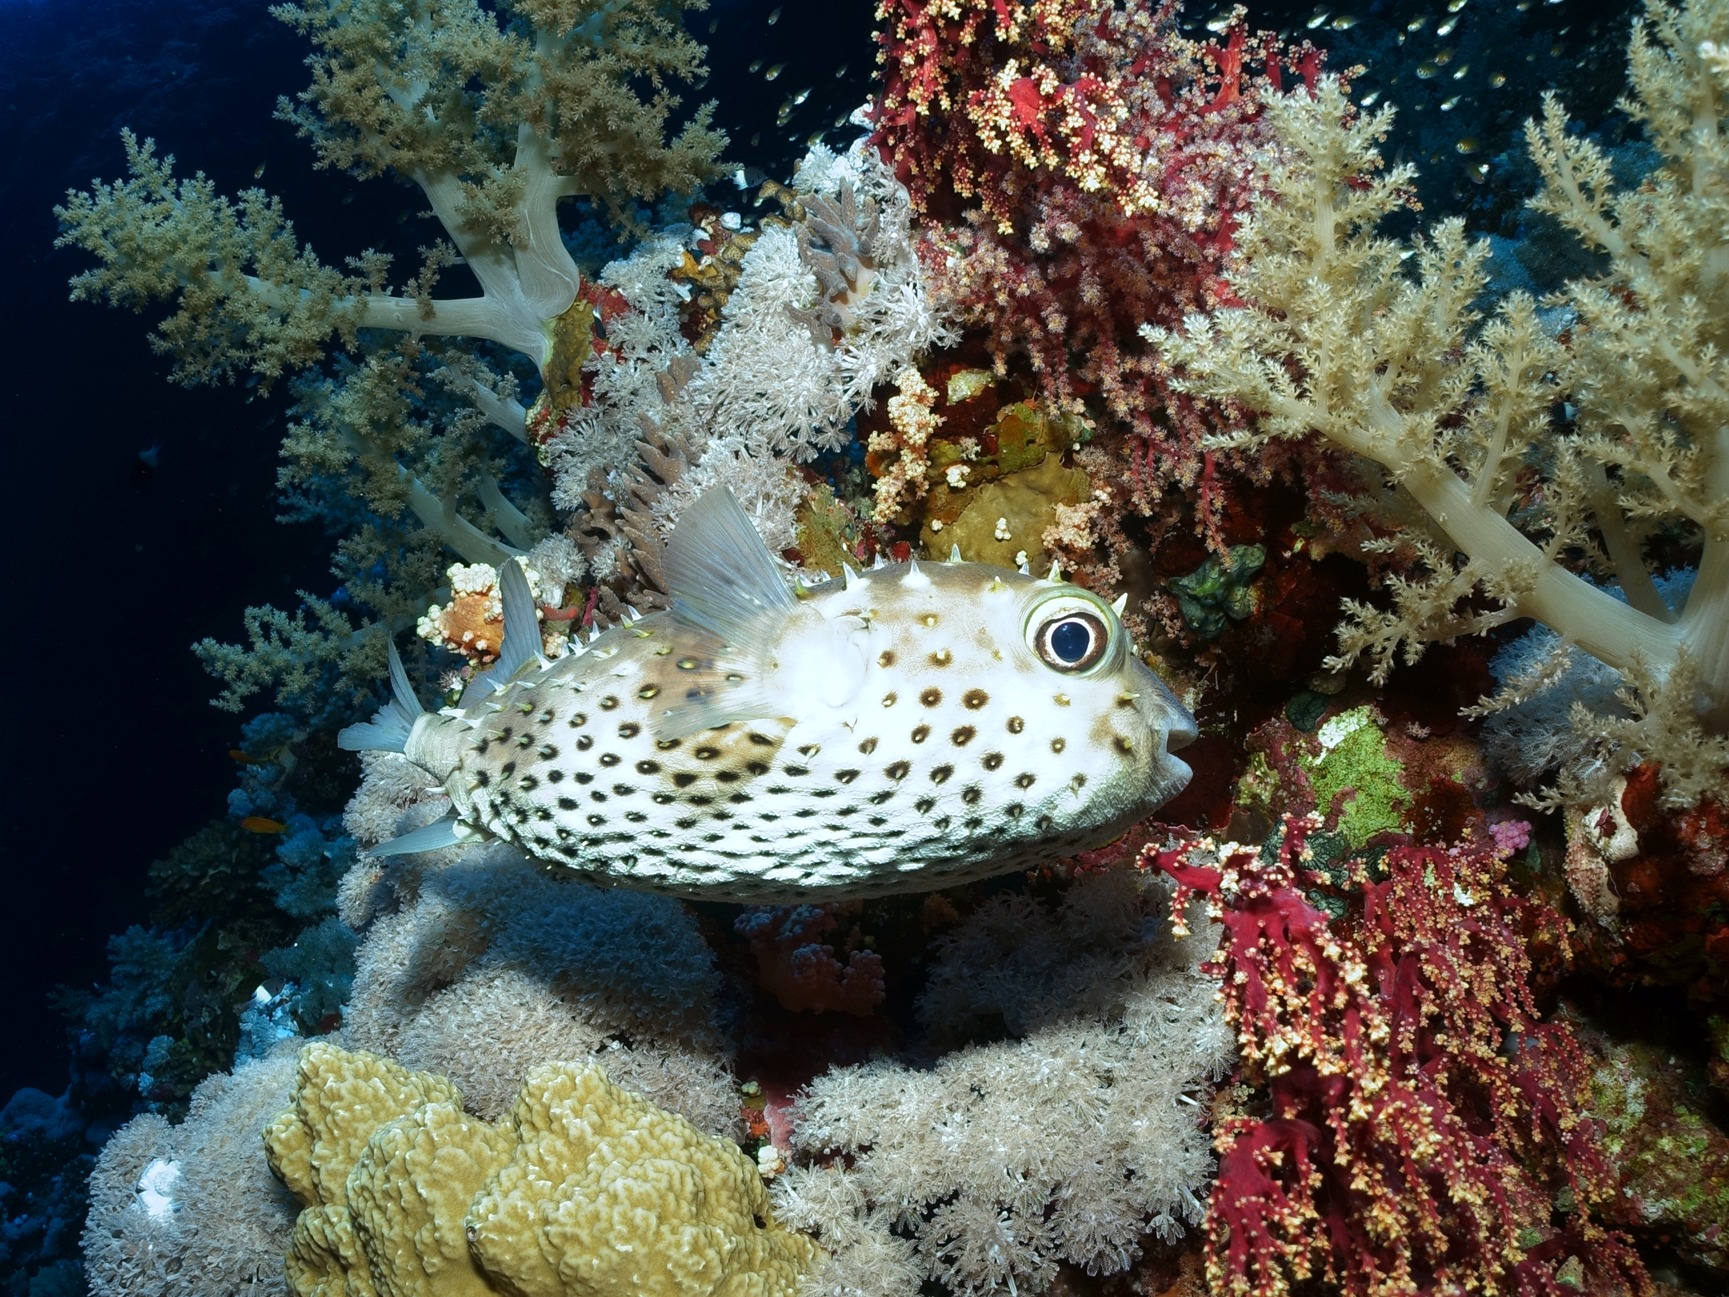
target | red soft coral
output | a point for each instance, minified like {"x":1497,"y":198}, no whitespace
{"x":1418,"y":1125}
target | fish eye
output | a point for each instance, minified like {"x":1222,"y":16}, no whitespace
{"x":1072,"y":641}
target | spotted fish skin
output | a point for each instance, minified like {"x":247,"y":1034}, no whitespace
{"x":901,"y":730}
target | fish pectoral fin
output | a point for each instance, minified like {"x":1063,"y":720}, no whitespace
{"x":429,"y":837}
{"x":709,"y":685}
{"x":722,"y":579}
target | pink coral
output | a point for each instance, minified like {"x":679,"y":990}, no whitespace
{"x":1416,"y":1125}
{"x":801,"y":969}
{"x":1101,"y":160}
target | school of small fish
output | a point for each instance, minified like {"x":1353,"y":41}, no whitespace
{"x":902,"y":729}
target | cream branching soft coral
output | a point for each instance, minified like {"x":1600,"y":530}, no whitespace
{"x":1341,"y":337}
{"x":495,"y":114}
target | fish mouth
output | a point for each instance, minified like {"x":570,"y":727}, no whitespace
{"x":1182,"y":732}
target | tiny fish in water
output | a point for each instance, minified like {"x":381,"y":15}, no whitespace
{"x":908,"y":728}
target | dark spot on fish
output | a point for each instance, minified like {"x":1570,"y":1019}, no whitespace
{"x":666,"y":745}
{"x":1042,"y":823}
{"x":629,"y":730}
{"x":597,"y":820}
{"x":609,"y":758}
{"x":609,"y":702}
{"x":810,"y":749}
{"x":688,"y":664}
{"x":963,"y":736}
{"x":548,"y":752}
{"x":877,"y":821}
{"x":664,"y":799}
{"x":886,"y":658}
{"x":940,"y":774}
{"x":877,"y":799}
{"x":506,"y":732}
{"x":584,"y":742}
{"x":1016,"y":725}
{"x":727,"y":776}
{"x":921,"y":733}
{"x":890,"y":698}
{"x":577,"y":721}
{"x":699,"y":799}
{"x":1078,"y":782}
{"x":706,"y":753}
{"x":1057,"y":745}
{"x":824,"y":792}
{"x":597,"y":796}
{"x":567,"y":803}
{"x":738,"y":798}
{"x":683,"y":779}
{"x":1125,"y":744}
{"x":523,"y":740}
{"x":482,"y":778}
{"x":924,"y":804}
{"x":941,"y":823}
{"x":846,"y":776}
{"x":1024,"y":781}
{"x":931,"y":697}
{"x":1014,"y":810}
{"x":555,"y":776}
{"x":992,"y":760}
{"x":761,"y":740}
{"x":528,"y":783}
{"x":973,"y":699}
{"x":868,"y":746}
{"x":635,"y":817}
{"x":582,"y":776}
{"x":795,"y":771}
{"x":623,"y":790}
{"x":941,"y":658}
{"x":648,"y":767}
{"x":688,"y":822}
{"x":756,"y":767}
{"x":507,"y":769}
{"x":648,"y":691}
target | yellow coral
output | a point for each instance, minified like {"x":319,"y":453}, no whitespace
{"x":584,"y":1189}
{"x":607,"y":1194}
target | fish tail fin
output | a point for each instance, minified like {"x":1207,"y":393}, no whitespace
{"x":390,"y":726}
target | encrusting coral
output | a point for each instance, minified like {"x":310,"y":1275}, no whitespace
{"x":583,"y":1190}
{"x":1335,"y":339}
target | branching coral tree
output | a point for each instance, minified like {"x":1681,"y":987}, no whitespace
{"x":1336,"y":339}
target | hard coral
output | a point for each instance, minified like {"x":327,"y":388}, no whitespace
{"x":584,"y":1189}
{"x":1416,"y":1125}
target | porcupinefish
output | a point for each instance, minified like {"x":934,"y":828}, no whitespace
{"x":906,"y":728}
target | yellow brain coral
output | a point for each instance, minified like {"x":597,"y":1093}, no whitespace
{"x":584,"y":1190}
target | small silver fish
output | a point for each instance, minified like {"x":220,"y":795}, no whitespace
{"x":908,"y":728}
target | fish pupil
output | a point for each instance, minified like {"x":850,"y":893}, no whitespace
{"x":1071,"y":639}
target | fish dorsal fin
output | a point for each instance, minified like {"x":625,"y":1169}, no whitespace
{"x":731,"y":607}
{"x":521,"y":643}
{"x":721,"y":576}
